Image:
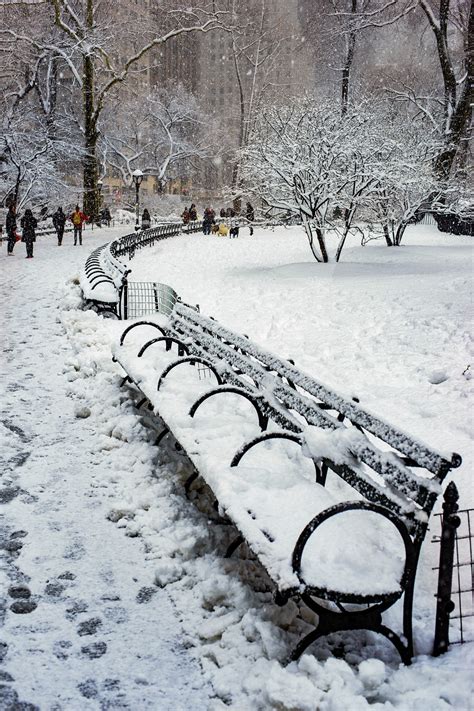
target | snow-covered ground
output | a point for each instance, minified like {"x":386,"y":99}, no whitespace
{"x":95,"y":632}
{"x":390,"y":326}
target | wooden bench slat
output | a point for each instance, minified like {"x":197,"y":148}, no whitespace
{"x":433,"y":461}
{"x":396,"y":475}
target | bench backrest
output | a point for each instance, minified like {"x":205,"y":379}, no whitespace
{"x":399,"y":472}
{"x":129,"y":244}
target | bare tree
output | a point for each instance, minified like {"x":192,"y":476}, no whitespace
{"x":452,"y":21}
{"x":34,"y":141}
{"x":403,"y":168}
{"x":80,"y":34}
{"x":452,"y":26}
{"x":167,"y":134}
{"x":257,"y":41}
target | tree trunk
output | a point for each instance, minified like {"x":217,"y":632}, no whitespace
{"x":236,"y":166}
{"x":386,"y":234}
{"x":457,"y":104}
{"x":321,"y":255}
{"x":348,"y":217}
{"x":399,"y":234}
{"x":90,"y":171}
{"x":90,"y":140}
{"x":350,"y":47}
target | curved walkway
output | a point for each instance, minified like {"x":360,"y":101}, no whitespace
{"x":81,"y":624}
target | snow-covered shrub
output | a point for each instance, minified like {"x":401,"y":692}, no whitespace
{"x":307,"y":160}
{"x":331,"y":170}
{"x":405,"y":178}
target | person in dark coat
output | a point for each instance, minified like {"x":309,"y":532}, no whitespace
{"x":107,"y":216}
{"x":146,"y":220}
{"x":193,"y":213}
{"x":250,"y":214}
{"x":208,"y":220}
{"x":28,"y":224}
{"x":10,"y":225}
{"x":185,"y":216}
{"x":59,"y":220}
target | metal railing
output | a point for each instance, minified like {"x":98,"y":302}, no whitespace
{"x":455,"y":576}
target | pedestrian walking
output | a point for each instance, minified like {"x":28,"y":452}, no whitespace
{"x":59,"y":221}
{"x":208,"y":220}
{"x":250,"y":214}
{"x":77,"y":219}
{"x":193,"y":213}
{"x":107,"y":216}
{"x":10,"y":226}
{"x":185,"y":216}
{"x":28,"y":225}
{"x":146,"y":220}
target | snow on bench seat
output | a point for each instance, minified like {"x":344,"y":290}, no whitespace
{"x":269,"y":498}
{"x":105,"y":292}
{"x":101,"y":277}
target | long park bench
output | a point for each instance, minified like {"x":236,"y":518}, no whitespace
{"x":104,"y":279}
{"x":351,"y":540}
{"x":101,"y":281}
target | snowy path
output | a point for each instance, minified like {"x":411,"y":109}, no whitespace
{"x":94,"y":633}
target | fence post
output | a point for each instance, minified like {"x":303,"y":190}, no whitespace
{"x":123,"y":299}
{"x":444,"y":604}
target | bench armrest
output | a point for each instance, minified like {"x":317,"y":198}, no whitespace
{"x":411,"y":553}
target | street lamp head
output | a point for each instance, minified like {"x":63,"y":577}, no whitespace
{"x":137,"y":176}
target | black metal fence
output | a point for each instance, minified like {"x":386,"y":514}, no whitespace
{"x":454,"y":610}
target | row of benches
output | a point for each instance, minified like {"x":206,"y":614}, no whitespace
{"x":346,"y":546}
{"x":104,"y":279}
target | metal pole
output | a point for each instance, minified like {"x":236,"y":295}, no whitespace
{"x":137,"y":204}
{"x":445,"y":605}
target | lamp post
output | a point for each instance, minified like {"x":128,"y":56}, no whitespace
{"x":99,"y":200}
{"x":137,"y":176}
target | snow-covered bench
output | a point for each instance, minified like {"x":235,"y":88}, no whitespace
{"x":101,"y":280}
{"x":129,"y":244}
{"x":353,"y":539}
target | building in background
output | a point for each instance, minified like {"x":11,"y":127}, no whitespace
{"x":233,"y":73}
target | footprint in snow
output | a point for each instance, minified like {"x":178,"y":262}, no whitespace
{"x":94,"y":650}
{"x":89,"y":627}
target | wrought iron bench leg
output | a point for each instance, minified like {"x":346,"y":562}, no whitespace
{"x":330,"y":621}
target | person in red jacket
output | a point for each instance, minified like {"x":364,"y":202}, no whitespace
{"x":78,"y":218}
